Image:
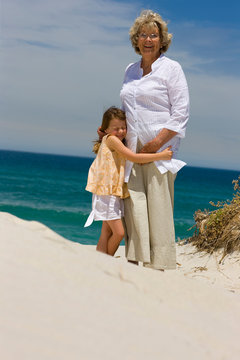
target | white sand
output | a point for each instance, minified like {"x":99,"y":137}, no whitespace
{"x":62,"y":300}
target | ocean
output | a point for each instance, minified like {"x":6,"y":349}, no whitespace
{"x":51,"y":189}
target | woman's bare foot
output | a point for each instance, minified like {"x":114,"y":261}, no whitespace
{"x":133,"y":262}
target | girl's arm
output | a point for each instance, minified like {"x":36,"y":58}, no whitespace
{"x":115,"y":144}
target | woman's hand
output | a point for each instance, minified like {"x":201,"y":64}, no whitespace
{"x":167,"y":153}
{"x":155,"y":144}
{"x":101,"y":133}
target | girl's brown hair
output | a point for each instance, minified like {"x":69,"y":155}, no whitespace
{"x":109,"y":114}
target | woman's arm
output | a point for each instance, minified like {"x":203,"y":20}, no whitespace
{"x":115,"y":144}
{"x":179,"y":113}
{"x":155,"y":144}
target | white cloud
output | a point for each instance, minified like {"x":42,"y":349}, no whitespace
{"x":206,"y":48}
{"x":63,"y":64}
{"x":213,"y":137}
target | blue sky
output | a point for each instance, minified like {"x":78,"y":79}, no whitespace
{"x":62,"y":65}
{"x":212,"y":11}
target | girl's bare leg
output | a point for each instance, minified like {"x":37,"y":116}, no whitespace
{"x":106,"y":233}
{"x":116,"y":237}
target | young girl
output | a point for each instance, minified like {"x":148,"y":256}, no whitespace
{"x":106,"y":178}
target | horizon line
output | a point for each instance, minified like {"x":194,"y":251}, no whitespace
{"x":89,"y":157}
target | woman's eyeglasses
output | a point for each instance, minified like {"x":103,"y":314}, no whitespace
{"x":145,"y":36}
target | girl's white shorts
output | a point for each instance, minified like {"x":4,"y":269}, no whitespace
{"x":105,"y":207}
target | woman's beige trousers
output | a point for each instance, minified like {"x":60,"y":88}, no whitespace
{"x":149,"y":225}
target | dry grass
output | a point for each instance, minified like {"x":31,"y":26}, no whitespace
{"x":220,"y":228}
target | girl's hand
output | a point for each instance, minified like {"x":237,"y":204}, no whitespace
{"x":167,"y":153}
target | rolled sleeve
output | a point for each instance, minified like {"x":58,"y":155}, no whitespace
{"x":179,"y":101}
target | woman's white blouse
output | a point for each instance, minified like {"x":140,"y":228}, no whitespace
{"x":152,"y":102}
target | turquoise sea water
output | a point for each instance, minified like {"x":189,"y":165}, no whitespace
{"x":51,"y":189}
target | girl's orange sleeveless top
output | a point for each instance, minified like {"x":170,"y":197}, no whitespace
{"x":106,"y":174}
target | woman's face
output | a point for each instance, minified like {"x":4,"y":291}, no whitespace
{"x":149,"y":41}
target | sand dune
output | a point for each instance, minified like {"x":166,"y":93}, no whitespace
{"x":62,"y":300}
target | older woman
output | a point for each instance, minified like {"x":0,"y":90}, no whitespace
{"x":155,"y":98}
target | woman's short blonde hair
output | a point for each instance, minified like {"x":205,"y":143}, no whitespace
{"x":151,"y":19}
